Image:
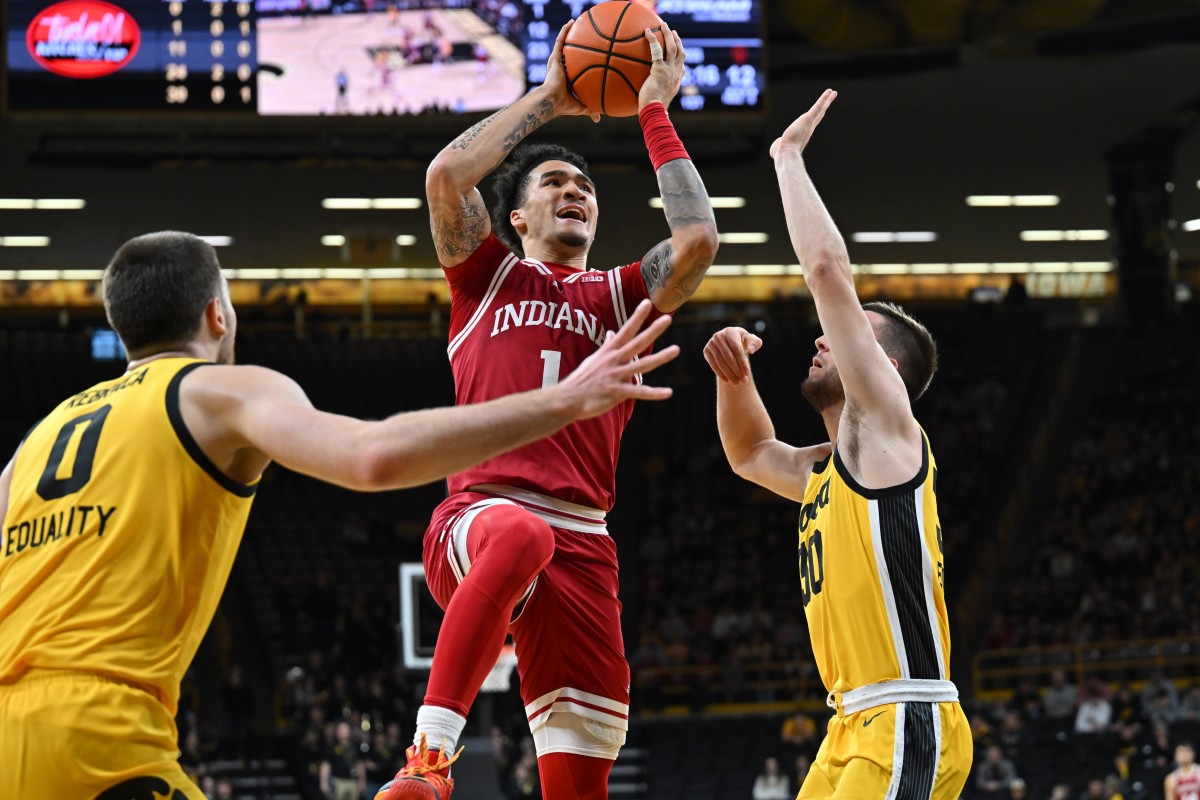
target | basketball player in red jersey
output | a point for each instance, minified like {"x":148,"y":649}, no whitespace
{"x":1184,"y":782}
{"x":521,"y":542}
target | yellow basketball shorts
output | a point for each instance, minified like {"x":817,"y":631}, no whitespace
{"x":84,"y":737}
{"x":900,"y":751}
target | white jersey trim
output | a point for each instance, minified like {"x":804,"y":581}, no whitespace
{"x":493,"y":289}
{"x":897,"y":754}
{"x":937,"y":746}
{"x":927,"y":573}
{"x":557,"y":513}
{"x":618,"y":295}
{"x":576,"y":701}
{"x":885,"y":585}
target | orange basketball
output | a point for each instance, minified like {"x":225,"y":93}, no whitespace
{"x":607,"y":57}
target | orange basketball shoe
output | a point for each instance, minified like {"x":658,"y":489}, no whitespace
{"x":426,"y":776}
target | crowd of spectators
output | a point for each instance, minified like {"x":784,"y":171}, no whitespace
{"x":1094,"y":740}
{"x":1116,"y":545}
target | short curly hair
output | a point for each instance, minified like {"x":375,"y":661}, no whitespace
{"x":512,"y":180}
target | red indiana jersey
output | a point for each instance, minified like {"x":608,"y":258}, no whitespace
{"x":517,"y":325}
{"x":1187,"y":785}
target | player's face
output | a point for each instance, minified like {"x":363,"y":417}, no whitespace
{"x":1185,"y":756}
{"x":560,"y":206}
{"x":822,"y":387}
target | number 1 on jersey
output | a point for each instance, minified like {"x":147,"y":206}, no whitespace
{"x":550,"y":369}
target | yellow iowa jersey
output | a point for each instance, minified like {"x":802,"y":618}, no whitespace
{"x":871,"y":577}
{"x":119,"y":536}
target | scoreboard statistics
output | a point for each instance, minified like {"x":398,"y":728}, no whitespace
{"x":132,"y":55}
{"x":338,"y":57}
{"x":723,"y":40}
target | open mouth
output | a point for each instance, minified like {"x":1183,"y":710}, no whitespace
{"x":572,"y":212}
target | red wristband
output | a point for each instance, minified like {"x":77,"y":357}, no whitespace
{"x":661,"y":139}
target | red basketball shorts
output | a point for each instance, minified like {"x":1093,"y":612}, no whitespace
{"x":570,"y":653}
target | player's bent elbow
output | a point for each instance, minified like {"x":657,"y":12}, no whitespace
{"x":697,"y":244}
{"x":443,"y":179}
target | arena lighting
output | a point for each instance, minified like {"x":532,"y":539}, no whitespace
{"x":1192,"y":225}
{"x":755,"y":237}
{"x":333,"y":240}
{"x":24,"y":241}
{"x":59,"y":204}
{"x":360,"y":203}
{"x":1094,"y":235}
{"x":218,"y":241}
{"x":1012,"y":200}
{"x":873,"y":237}
{"x":48,"y":204}
{"x":396,"y":203}
{"x":406,"y":240}
{"x":717,"y":202}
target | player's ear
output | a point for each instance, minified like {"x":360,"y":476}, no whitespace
{"x":517,"y":218}
{"x":214,"y":317}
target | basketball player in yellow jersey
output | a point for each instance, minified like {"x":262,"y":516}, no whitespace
{"x":123,"y":508}
{"x":870,"y":542}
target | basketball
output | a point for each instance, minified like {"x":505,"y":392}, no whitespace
{"x":607,"y":57}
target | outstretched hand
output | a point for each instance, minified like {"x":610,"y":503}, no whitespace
{"x":728,"y":353}
{"x":566,"y":104}
{"x":796,"y":137}
{"x":609,"y":375}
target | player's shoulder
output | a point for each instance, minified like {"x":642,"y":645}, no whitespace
{"x":235,"y":381}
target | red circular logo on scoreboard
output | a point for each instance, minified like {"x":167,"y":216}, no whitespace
{"x":83,"y":38}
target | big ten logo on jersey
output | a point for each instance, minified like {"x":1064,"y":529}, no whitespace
{"x":812,"y":549}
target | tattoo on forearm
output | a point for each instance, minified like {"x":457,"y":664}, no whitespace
{"x":657,"y":266}
{"x":685,"y":203}
{"x":533,"y":120}
{"x":468,"y":136}
{"x":459,"y":232}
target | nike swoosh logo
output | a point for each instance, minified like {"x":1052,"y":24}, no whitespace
{"x":872,"y":719}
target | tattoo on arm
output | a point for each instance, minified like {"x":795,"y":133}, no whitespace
{"x":459,"y":232}
{"x":685,"y":200}
{"x":534,"y":120}
{"x":657,"y":266}
{"x":468,"y":136}
{"x":685,"y":203}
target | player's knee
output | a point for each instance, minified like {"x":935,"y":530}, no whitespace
{"x":526,"y":540}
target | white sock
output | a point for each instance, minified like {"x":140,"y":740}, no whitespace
{"x":441,"y":727}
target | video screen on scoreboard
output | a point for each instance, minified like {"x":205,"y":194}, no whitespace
{"x":334,"y":57}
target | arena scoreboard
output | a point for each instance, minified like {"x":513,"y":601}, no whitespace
{"x":129,"y":55}
{"x":327,"y":57}
{"x":723,"y":40}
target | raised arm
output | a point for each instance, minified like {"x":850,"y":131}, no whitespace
{"x":747,"y":434}
{"x":868,"y":375}
{"x":243,"y":417}
{"x":674,"y":267}
{"x":458,"y":216}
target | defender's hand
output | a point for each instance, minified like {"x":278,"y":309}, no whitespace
{"x":796,"y":137}
{"x":666,"y":71}
{"x":608,"y":376}
{"x":565,"y":103}
{"x":728,"y":353}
